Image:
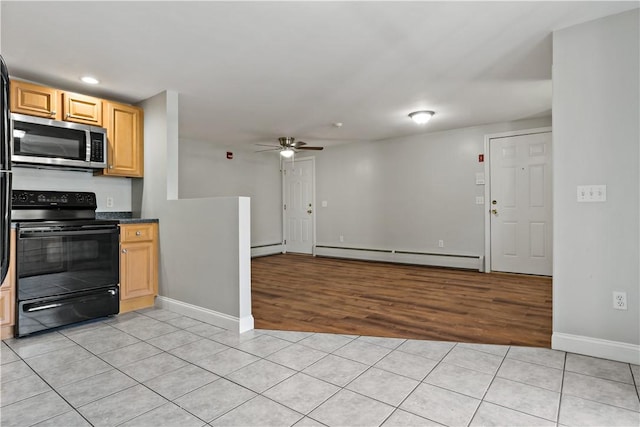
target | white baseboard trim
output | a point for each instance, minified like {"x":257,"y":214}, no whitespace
{"x":212,"y":317}
{"x":471,"y":262}
{"x":596,"y":347}
{"x":264,"y":250}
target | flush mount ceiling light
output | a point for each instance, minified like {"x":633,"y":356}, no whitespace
{"x":421,"y":117}
{"x":286,"y":153}
{"x":90,"y":80}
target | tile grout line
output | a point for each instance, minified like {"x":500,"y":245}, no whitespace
{"x":495,"y":375}
{"x":129,"y":376}
{"x":419,"y":384}
{"x":73,"y":408}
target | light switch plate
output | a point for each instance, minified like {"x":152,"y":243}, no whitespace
{"x":592,"y":193}
{"x":479,"y":178}
{"x":479,"y":200}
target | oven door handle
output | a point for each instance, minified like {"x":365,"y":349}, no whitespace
{"x":43,"y":232}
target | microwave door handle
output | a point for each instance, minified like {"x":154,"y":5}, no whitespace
{"x":87,"y":145}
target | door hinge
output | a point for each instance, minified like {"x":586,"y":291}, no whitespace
{"x":285,"y":241}
{"x":285,"y":206}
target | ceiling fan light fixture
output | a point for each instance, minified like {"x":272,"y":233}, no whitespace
{"x":287,"y":153}
{"x":421,"y":117}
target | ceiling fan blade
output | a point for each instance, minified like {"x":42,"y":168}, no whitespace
{"x":297,"y":144}
{"x":268,"y":145}
{"x":311,"y":148}
{"x":268,"y":149}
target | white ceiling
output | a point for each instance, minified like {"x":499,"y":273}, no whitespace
{"x":249,"y":72}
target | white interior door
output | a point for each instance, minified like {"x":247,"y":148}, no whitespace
{"x":521,"y":215}
{"x":299,"y":209}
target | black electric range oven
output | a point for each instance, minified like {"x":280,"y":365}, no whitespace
{"x":67,"y":262}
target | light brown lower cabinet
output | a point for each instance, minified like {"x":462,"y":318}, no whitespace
{"x":8,"y":295}
{"x":138,"y":266}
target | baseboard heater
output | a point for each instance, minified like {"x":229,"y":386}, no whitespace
{"x":471,"y":262}
{"x":268,"y":249}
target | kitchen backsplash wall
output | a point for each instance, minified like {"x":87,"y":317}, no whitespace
{"x":118,"y":189}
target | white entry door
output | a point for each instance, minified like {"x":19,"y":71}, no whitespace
{"x":521,"y":215}
{"x":298,"y":206}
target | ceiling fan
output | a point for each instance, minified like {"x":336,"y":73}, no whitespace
{"x":288,"y":146}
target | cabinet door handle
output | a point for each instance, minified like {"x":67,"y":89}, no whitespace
{"x":53,"y":113}
{"x":124,"y":251}
{"x":138,"y":233}
{"x":110,"y":166}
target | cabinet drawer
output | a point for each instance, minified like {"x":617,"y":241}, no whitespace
{"x":136,"y":232}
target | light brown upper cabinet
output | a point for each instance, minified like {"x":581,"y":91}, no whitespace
{"x":81,"y":109}
{"x":124,"y":122}
{"x":35,"y":100}
{"x":124,"y":134}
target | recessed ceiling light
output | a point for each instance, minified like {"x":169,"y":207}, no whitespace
{"x":90,"y":80}
{"x":421,"y":117}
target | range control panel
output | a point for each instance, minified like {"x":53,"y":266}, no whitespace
{"x":26,"y":199}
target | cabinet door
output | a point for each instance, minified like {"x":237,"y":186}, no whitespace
{"x":137,"y":270}
{"x":6,"y":308}
{"x":124,"y":132}
{"x":81,"y":109}
{"x":7,"y":295}
{"x":35,"y":100}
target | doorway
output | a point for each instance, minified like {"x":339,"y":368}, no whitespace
{"x":298,"y":215}
{"x":519,"y":202}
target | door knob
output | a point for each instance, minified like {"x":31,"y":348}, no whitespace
{"x":124,"y":251}
{"x":494,"y":211}
{"x":309,"y":211}
{"x":494,"y":202}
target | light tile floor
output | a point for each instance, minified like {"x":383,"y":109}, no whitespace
{"x":158,"y":368}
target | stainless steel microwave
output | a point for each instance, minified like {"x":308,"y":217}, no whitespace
{"x":50,"y":143}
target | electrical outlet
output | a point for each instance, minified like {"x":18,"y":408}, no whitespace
{"x":619,"y":300}
{"x":441,"y":243}
{"x":109,"y":202}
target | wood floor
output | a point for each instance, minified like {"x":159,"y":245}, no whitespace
{"x":303,"y":293}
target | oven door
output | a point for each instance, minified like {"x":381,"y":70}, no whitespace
{"x":54,"y":259}
{"x":66,"y":272}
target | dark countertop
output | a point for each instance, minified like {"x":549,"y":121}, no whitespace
{"x":137,"y":220}
{"x":124,"y":217}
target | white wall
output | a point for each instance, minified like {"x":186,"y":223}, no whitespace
{"x":205,"y":171}
{"x":596,"y":110}
{"x":59,"y":180}
{"x":205,"y":242}
{"x":407,"y":193}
